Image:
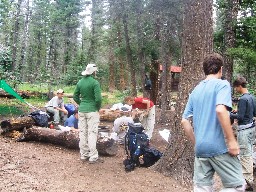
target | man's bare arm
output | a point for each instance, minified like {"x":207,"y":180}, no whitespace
{"x":224,"y":120}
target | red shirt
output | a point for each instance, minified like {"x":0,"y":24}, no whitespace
{"x":138,"y":103}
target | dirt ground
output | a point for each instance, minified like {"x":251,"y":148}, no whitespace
{"x":34,"y":166}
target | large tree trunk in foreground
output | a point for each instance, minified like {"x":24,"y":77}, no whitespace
{"x":178,"y":158}
{"x":68,"y":139}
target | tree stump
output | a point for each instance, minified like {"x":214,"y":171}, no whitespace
{"x":68,"y":139}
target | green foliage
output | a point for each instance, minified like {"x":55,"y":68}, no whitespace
{"x":245,"y":54}
{"x":5,"y":59}
{"x":6,"y":110}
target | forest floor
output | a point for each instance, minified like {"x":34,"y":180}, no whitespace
{"x":33,"y":166}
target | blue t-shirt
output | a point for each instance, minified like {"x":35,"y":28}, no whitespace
{"x":202,"y":102}
{"x":72,"y":121}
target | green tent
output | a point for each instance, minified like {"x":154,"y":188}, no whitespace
{"x":8,"y":89}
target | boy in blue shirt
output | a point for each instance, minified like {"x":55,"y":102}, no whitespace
{"x":72,"y":121}
{"x":216,"y":148}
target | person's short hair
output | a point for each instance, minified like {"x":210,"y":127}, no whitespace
{"x":76,"y":111}
{"x":212,"y":63}
{"x":240,"y":80}
{"x":128,"y":98}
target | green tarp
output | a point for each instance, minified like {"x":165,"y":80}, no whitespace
{"x":8,"y":89}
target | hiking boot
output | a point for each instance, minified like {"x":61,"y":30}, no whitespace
{"x":248,"y":186}
{"x":97,"y":161}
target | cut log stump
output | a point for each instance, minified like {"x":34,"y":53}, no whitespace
{"x":69,"y":139}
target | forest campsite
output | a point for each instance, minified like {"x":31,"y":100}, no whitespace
{"x":151,"y":49}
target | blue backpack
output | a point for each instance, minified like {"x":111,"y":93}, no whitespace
{"x":70,"y":108}
{"x":137,"y":148}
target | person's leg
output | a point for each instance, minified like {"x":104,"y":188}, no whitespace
{"x":230,"y":171}
{"x":93,"y":123}
{"x":83,"y":136}
{"x":246,"y":139}
{"x":56,"y":114}
{"x":63,"y":117}
{"x":203,"y":175}
{"x":149,"y":122}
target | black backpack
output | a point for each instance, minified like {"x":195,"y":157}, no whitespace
{"x":137,"y":148}
{"x":40,"y":118}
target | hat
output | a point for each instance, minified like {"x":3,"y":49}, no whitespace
{"x":90,"y":68}
{"x":60,"y":91}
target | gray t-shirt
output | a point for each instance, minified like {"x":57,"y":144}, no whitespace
{"x":55,"y":102}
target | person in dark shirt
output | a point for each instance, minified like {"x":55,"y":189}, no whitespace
{"x":244,"y":115}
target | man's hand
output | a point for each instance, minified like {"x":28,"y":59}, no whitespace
{"x":65,"y":111}
{"x":233,"y":148}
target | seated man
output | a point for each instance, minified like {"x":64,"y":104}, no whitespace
{"x":72,"y":121}
{"x":121,"y":124}
{"x":56,"y":107}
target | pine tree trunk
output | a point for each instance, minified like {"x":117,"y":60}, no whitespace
{"x":231,"y":11}
{"x":178,"y":158}
{"x":15,"y":35}
{"x":129,"y":52}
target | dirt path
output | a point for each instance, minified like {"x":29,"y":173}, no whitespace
{"x":33,"y":166}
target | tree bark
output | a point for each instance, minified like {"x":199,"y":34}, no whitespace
{"x":178,"y":158}
{"x":17,"y":124}
{"x":129,"y":51}
{"x":231,"y":11}
{"x":16,"y":34}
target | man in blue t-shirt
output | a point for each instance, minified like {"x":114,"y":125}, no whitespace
{"x":216,"y":148}
{"x":72,"y":121}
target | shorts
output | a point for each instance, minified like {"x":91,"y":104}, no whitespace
{"x":226,"y":166}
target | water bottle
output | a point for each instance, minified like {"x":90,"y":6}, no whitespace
{"x":137,"y":151}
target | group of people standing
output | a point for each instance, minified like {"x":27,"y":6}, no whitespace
{"x":217,"y":149}
{"x":209,"y":107}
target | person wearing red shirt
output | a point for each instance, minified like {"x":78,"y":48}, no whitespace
{"x":147,"y":118}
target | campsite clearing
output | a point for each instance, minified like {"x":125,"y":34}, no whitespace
{"x":34,"y":166}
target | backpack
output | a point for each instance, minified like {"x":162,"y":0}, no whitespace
{"x":40,"y":118}
{"x":137,"y":148}
{"x":70,"y":108}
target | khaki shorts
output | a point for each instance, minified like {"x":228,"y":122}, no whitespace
{"x":227,"y":167}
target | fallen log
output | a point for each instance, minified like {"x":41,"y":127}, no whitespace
{"x":23,"y":94}
{"x":109,"y":115}
{"x":68,"y":139}
{"x":17,"y":124}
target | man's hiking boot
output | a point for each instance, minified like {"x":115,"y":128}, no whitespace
{"x":97,"y":161}
{"x":248,"y":186}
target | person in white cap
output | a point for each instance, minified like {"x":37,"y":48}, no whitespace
{"x":121,"y":124}
{"x":56,"y":107}
{"x":87,"y":95}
